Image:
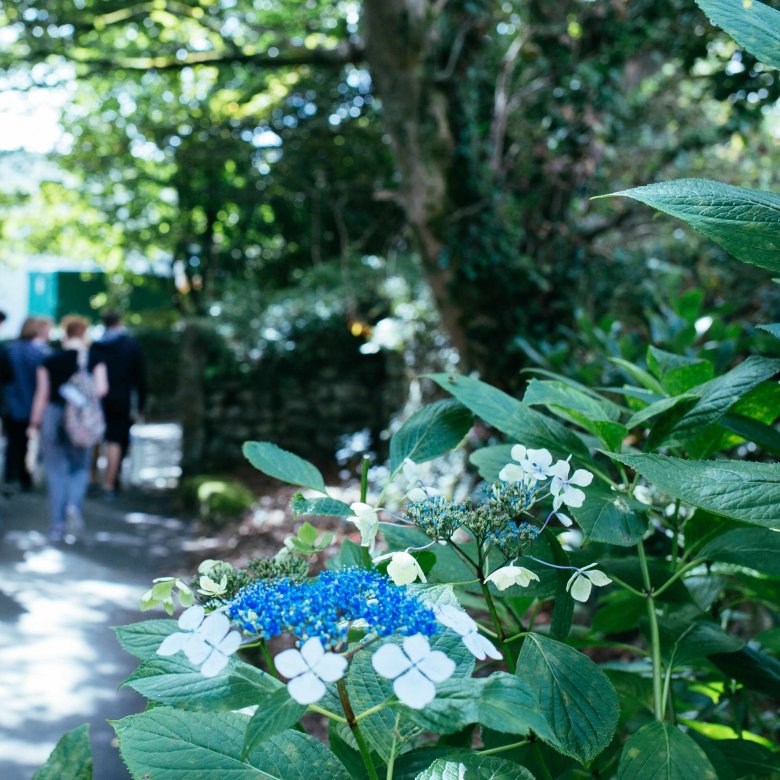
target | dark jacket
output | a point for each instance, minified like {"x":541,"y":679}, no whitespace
{"x":126,"y":371}
{"x":23,"y":357}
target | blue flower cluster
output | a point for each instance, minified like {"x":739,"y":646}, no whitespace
{"x":327,"y":607}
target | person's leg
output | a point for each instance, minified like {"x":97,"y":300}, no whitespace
{"x":78,"y":480}
{"x":17,"y":453}
{"x":56,"y":467}
{"x":8,"y":471}
{"x":113,"y":464}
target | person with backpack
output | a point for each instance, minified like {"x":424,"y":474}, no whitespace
{"x":24,"y":356}
{"x":67,"y":413}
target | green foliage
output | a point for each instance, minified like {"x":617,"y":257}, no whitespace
{"x":283,"y":465}
{"x":71,"y":758}
{"x":219,"y":501}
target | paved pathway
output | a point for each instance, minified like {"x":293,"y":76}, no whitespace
{"x":59,"y":663}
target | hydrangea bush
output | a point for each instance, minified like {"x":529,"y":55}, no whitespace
{"x":604,"y":605}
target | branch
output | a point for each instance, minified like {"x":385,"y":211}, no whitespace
{"x":299,"y":55}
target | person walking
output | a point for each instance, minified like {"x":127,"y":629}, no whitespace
{"x":126,"y":398}
{"x":66,"y":464}
{"x":24,"y":356}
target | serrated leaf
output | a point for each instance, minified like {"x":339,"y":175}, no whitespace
{"x":142,"y":639}
{"x":745,"y":491}
{"x":276,"y":712}
{"x":283,"y":465}
{"x":490,"y":460}
{"x":660,"y":751}
{"x":746,"y":223}
{"x":678,"y":373}
{"x":610,"y":517}
{"x":656,"y":408}
{"x":575,"y":697}
{"x":169,"y":744}
{"x":176,"y":682}
{"x":71,"y":758}
{"x":323,"y":507}
{"x":753,"y":25}
{"x":773,"y":328}
{"x":430,"y":432}
{"x":472,"y":766}
{"x":765,"y":436}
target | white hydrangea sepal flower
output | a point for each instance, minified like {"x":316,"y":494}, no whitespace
{"x":507,"y":576}
{"x":207,"y":642}
{"x":308,"y":669}
{"x":581,"y":583}
{"x":414,"y":669}
{"x":366,"y":519}
{"x":514,"y":472}
{"x":565,"y":489}
{"x":466,"y":628}
{"x":403,"y":568}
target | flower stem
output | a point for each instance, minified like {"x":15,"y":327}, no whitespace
{"x":269,"y":660}
{"x":510,"y":661}
{"x":327,"y":713}
{"x":502,"y":748}
{"x":370,"y":711}
{"x":655,"y":638}
{"x":364,"y":478}
{"x":391,"y":762}
{"x":349,"y":713}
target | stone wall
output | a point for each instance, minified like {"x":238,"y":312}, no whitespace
{"x":305,"y":394}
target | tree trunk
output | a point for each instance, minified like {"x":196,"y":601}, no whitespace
{"x":191,"y":398}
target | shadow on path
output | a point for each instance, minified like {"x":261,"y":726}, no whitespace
{"x":61,"y":665}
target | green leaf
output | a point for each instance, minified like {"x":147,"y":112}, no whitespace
{"x":176,"y":682}
{"x":753,"y":25}
{"x":773,"y":328}
{"x":684,"y":640}
{"x":610,"y":517}
{"x":756,"y":548}
{"x":276,"y":712}
{"x":639,"y":375}
{"x":719,"y":395}
{"x":472,"y":766}
{"x":746,"y":491}
{"x":71,"y":759}
{"x":490,"y":460}
{"x":659,"y":407}
{"x":678,"y":373}
{"x":283,"y":465}
{"x":513,"y":418}
{"x":169,"y":744}
{"x":323,"y":507}
{"x":432,"y":431}
{"x":574,"y":696}
{"x":754,"y":669}
{"x":746,"y":223}
{"x":765,"y":436}
{"x":660,"y":751}
{"x":749,"y":759}
{"x":142,"y":639}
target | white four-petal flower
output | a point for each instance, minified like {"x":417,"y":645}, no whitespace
{"x":507,"y":576}
{"x":403,"y":568}
{"x":207,"y":642}
{"x":565,"y":489}
{"x":582,"y":581}
{"x":308,"y":669}
{"x":532,"y":465}
{"x":367,"y":521}
{"x":463,"y":625}
{"x":413,"y":668}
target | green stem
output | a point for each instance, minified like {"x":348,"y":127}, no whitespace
{"x":269,"y":660}
{"x":502,"y":748}
{"x":391,"y":762}
{"x":655,"y":638}
{"x":676,"y":576}
{"x":364,"y":478}
{"x":370,"y":711}
{"x":327,"y":713}
{"x":510,"y":661}
{"x":365,"y":753}
{"x":626,"y":586}
{"x":667,"y":686}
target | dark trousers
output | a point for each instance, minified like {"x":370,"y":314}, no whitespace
{"x":16,"y":452}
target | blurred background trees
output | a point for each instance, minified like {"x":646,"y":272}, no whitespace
{"x":350,"y":161}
